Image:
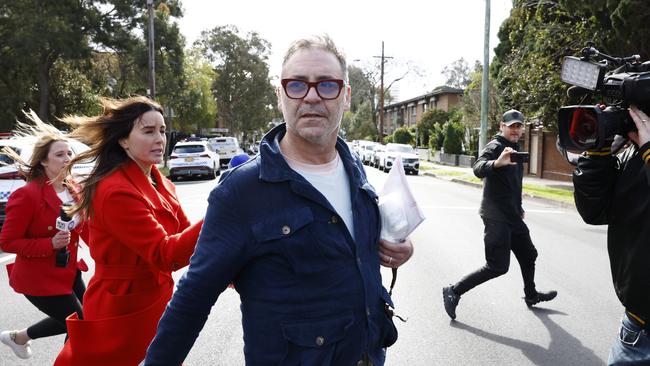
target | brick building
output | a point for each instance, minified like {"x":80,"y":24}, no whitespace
{"x":408,"y":112}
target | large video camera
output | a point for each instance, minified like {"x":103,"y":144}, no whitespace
{"x":620,"y":81}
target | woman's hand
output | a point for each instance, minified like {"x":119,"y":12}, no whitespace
{"x":60,"y":239}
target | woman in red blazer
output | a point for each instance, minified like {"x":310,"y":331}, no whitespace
{"x":51,"y":282}
{"x":138,"y":231}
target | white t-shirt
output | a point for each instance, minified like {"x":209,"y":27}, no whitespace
{"x":331,"y":180}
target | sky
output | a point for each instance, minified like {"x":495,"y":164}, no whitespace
{"x":423,"y":36}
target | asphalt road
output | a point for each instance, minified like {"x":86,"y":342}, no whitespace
{"x":493,"y":327}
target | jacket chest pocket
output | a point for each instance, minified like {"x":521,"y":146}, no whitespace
{"x":289,"y":234}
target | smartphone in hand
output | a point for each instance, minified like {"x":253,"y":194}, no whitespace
{"x":519,"y":157}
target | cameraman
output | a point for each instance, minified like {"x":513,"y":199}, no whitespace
{"x":615,"y":190}
{"x":502,"y":214}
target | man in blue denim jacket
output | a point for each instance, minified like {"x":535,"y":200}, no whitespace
{"x":296,"y":229}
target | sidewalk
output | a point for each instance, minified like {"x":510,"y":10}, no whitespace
{"x":556,"y":192}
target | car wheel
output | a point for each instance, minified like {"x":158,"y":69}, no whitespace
{"x":416,"y":172}
{"x":173,"y":178}
{"x":212,"y":174}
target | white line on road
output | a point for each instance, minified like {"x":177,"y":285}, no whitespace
{"x":433,"y":207}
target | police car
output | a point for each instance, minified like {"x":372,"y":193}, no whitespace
{"x":193,"y":158}
{"x":10,"y":178}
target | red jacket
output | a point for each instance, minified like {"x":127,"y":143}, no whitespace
{"x":138,"y":235}
{"x":28,"y":229}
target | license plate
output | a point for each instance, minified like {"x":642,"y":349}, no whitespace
{"x":189,"y":159}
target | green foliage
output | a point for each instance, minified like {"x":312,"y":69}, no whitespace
{"x":197,"y":109}
{"x":360,"y":125}
{"x":52,"y":47}
{"x":528,"y":60}
{"x":427,"y":123}
{"x":242,"y":89}
{"x":454,"y":133}
{"x":437,"y":137}
{"x":402,"y":135}
{"x":388,"y":139}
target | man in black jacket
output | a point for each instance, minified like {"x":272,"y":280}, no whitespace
{"x":615,"y":190}
{"x":502,"y":215}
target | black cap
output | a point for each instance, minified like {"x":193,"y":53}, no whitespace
{"x":513,"y":116}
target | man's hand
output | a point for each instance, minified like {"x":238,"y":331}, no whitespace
{"x":642,"y":122}
{"x":504,"y":158}
{"x":393,"y":255}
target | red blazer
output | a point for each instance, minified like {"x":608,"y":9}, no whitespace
{"x":28,"y":229}
{"x":138,"y":235}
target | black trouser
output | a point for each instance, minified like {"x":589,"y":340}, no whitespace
{"x":57,"y":308}
{"x":500,"y":238}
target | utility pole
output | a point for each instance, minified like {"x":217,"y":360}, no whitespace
{"x":381,"y":94}
{"x":152,"y":59}
{"x":482,"y":141}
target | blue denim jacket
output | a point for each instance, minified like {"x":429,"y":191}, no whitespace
{"x":310,"y":294}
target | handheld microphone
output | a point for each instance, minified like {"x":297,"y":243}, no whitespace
{"x":64,"y":223}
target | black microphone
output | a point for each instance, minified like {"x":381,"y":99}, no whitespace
{"x":64,"y":223}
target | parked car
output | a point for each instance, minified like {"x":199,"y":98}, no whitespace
{"x":410,"y":158}
{"x":226,"y":147}
{"x":10,"y":178}
{"x":193,"y":158}
{"x":366,"y":152}
{"x":377,"y":154}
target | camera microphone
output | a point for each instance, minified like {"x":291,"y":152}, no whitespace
{"x":64,"y":223}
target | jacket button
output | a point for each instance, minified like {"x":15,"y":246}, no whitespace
{"x":49,"y":228}
{"x":334,"y":219}
{"x":286,"y":230}
{"x":320,"y":341}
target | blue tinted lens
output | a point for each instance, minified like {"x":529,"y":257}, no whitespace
{"x":296,"y":89}
{"x":328,"y":89}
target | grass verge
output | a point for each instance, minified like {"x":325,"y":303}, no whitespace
{"x":557,"y":194}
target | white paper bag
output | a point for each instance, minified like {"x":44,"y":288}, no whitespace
{"x":399,"y":211}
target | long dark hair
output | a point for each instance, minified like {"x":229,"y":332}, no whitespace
{"x":102,"y":134}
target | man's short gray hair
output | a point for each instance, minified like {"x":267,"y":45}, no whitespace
{"x":323,"y":42}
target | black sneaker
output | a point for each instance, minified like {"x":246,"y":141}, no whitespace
{"x":451,"y":300}
{"x":539,"y":297}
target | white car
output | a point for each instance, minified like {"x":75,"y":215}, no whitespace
{"x":193,"y":158}
{"x":227,"y":147}
{"x":366,"y":151}
{"x":10,"y":178}
{"x":410,"y":158}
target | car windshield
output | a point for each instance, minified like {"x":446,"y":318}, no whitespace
{"x":5,"y":159}
{"x":189,"y":149}
{"x":401,"y":148}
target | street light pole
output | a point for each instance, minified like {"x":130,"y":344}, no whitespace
{"x":152,"y":59}
{"x":482,"y":141}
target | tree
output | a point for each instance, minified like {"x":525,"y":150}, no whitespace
{"x":196,"y":105}
{"x":42,"y":39}
{"x":471,"y":105}
{"x":242,"y":88}
{"x":458,"y":74}
{"x":454,"y":133}
{"x":360,"y":125}
{"x":427,"y":122}
{"x":402,"y":135}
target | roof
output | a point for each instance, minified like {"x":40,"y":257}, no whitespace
{"x":444,"y":89}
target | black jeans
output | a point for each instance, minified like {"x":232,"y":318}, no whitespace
{"x":57,"y":308}
{"x":500,"y":238}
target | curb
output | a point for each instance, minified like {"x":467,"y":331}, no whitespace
{"x":561,"y":204}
